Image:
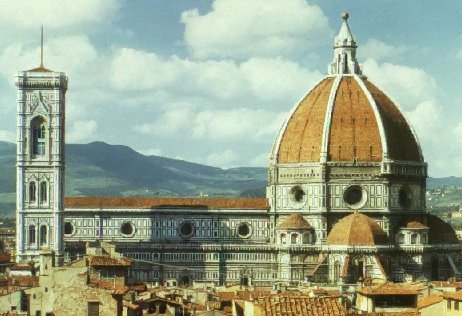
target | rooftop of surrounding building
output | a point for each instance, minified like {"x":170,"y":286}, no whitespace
{"x":108,"y":261}
{"x":389,"y":288}
{"x":457,"y":296}
{"x":166,"y":202}
{"x":429,"y":300}
{"x":291,"y":305}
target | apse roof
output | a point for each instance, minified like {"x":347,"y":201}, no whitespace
{"x":357,"y":229}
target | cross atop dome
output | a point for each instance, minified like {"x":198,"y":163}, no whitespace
{"x":344,"y":51}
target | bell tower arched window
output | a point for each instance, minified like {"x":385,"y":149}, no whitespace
{"x":38,"y":136}
{"x":43,"y":192}
{"x":31,"y":234}
{"x":32,"y":192}
{"x":43,"y":235}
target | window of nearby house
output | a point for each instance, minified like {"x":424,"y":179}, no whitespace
{"x":283,"y":238}
{"x":92,"y":308}
{"x":401,"y":238}
{"x":456,"y":305}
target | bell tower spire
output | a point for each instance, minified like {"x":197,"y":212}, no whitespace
{"x":41,"y":48}
{"x":344,"y":51}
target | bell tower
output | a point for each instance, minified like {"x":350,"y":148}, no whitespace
{"x":40,"y":162}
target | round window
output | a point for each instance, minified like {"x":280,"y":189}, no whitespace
{"x":404,"y":197}
{"x":68,"y":228}
{"x":297,"y":194}
{"x":186,"y":229}
{"x":244,"y":230}
{"x":354,"y":196}
{"x":127,"y":228}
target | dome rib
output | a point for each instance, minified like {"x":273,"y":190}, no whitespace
{"x":378,"y":118}
{"x":301,"y":138}
{"x":277,"y":142}
{"x":401,"y":140}
{"x":328,"y":118}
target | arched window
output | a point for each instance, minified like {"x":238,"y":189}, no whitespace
{"x":31,"y":234}
{"x":38,"y":130}
{"x":424,"y":238}
{"x":413,"y":239}
{"x":32,"y":192}
{"x":401,"y":238}
{"x":43,"y":192}
{"x":43,"y":235}
{"x":283,"y":239}
{"x":336,"y":271}
{"x":293,"y":239}
{"x":306,"y":238}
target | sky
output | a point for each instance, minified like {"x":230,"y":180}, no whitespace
{"x":212,"y":81}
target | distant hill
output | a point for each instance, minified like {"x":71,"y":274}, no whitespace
{"x":442,"y":182}
{"x":102,"y":169}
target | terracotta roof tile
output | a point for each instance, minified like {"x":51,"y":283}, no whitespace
{"x":108,"y":261}
{"x":301,"y":140}
{"x":294,"y":221}
{"x":453,"y":295}
{"x":108,"y":285}
{"x":354,"y":131}
{"x":429,"y":300}
{"x":291,"y":305}
{"x":357,"y":229}
{"x":159,"y":202}
{"x":412,"y":224}
{"x":24,"y":281}
{"x":402,"y":144}
{"x":389,"y":288}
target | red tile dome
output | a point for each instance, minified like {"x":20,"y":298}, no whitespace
{"x":357,"y":229}
{"x":345,"y":117}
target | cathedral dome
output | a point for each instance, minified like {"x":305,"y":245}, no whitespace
{"x":357,"y":229}
{"x":345,"y":117}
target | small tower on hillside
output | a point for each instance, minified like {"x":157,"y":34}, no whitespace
{"x":40,"y":162}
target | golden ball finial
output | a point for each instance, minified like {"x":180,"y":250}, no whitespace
{"x":345,"y":15}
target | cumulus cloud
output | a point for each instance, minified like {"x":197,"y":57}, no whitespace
{"x":457,"y":133}
{"x":150,"y":151}
{"x":7,"y":136}
{"x":60,"y":55}
{"x":262,"y":78}
{"x":82,"y":131}
{"x":232,"y":125}
{"x":409,"y":86}
{"x":226,"y":159}
{"x":379,"y":50}
{"x":29,"y":14}
{"x":242,"y":28}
